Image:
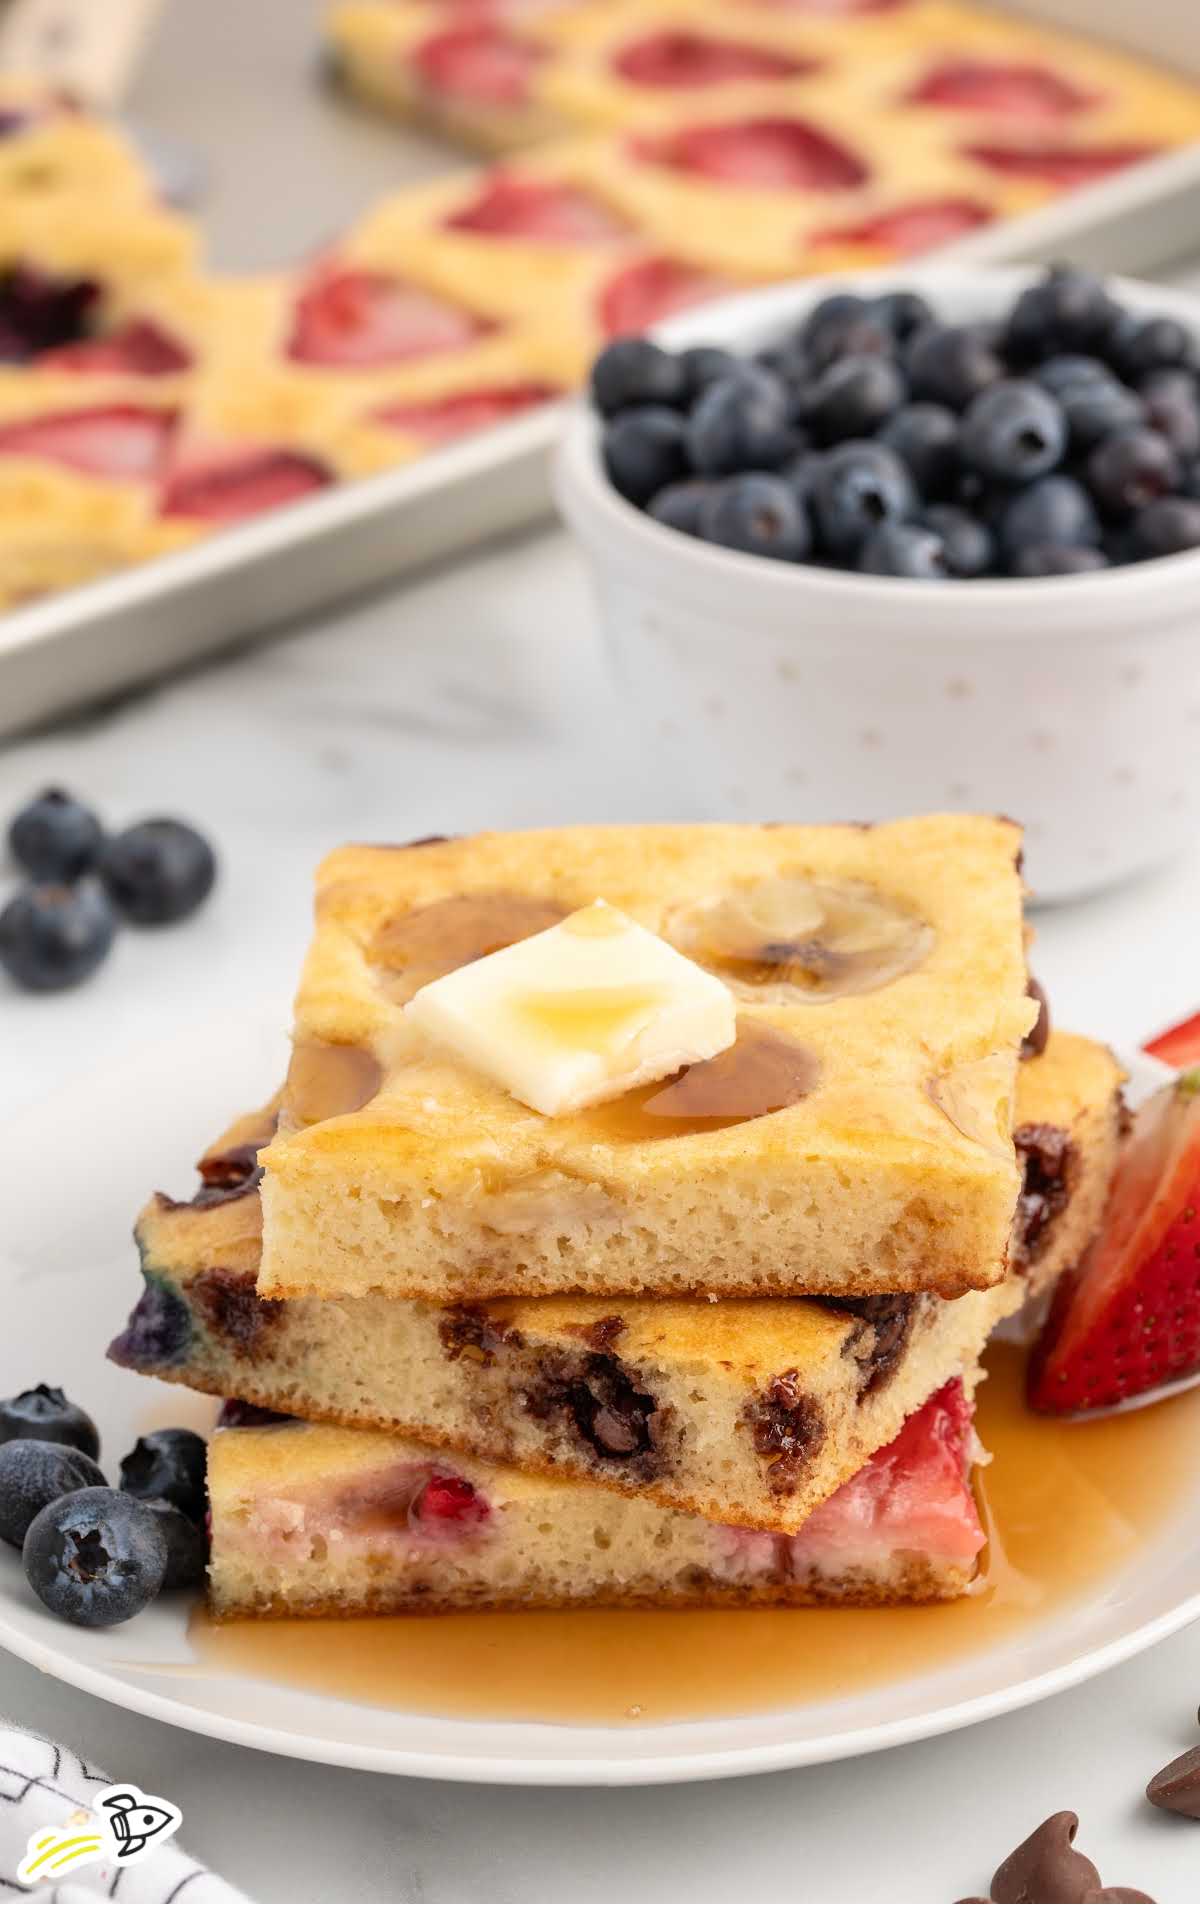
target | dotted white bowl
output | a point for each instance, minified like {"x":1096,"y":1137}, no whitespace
{"x":780,"y":691}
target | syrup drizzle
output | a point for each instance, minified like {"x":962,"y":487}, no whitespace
{"x":327,"y":1081}
{"x":762,"y":1071}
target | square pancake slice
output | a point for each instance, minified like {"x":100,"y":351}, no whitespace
{"x":745,"y":1412}
{"x":319,"y":1521}
{"x":855,"y":1140}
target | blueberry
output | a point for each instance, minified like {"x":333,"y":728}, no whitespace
{"x":643,"y":451}
{"x":865,"y":336}
{"x":1098,"y":409}
{"x":800,"y":473}
{"x":853,"y":397}
{"x":45,"y":1414}
{"x":1013,"y":431}
{"x":904,"y":549}
{"x":925,"y":438}
{"x":1167,"y":527}
{"x":1172,"y":407}
{"x":159,"y":1330}
{"x":742,"y":423}
{"x":858,"y":487}
{"x":786,"y":361}
{"x":822,"y":333}
{"x":633,"y":372}
{"x":705,"y":364}
{"x":1067,"y":310}
{"x":1070,"y":370}
{"x":679,"y":505}
{"x":168,"y":1464}
{"x":950,"y":364}
{"x":159,"y":871}
{"x":52,"y":937}
{"x":967,"y":542}
{"x":760,"y":515}
{"x":1150,"y":344}
{"x":34,"y":1473}
{"x":1131,"y":469}
{"x":187,"y":1547}
{"x":1049,"y":558}
{"x":1056,"y":510}
{"x":248,"y":1415}
{"x":96,"y":1557}
{"x":55,"y":838}
{"x":903,"y":312}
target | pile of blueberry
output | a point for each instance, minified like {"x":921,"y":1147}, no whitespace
{"x":57,"y":929}
{"x":1062,"y":437}
{"x":96,"y":1555}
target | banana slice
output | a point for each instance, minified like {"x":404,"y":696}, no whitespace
{"x":790,"y":939}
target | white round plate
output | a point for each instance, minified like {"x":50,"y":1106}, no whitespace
{"x":76,"y":1169}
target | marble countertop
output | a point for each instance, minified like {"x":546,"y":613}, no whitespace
{"x":480,"y":694}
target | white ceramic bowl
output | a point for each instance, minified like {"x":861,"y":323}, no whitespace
{"x":781,"y":691}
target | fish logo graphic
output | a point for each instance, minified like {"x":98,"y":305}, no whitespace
{"x":126,"y":1825}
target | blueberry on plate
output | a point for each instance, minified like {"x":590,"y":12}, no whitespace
{"x":1056,"y":510}
{"x":1013,"y":432}
{"x":644,"y":450}
{"x":1131,"y":469}
{"x":187,"y":1546}
{"x":800,"y":473}
{"x":1172,"y":407}
{"x":35,"y":1473}
{"x":841,"y":323}
{"x":632,"y":372}
{"x":95,"y":1558}
{"x":1066,"y":310}
{"x":1167,"y":527}
{"x":742,"y":423}
{"x":967,"y":543}
{"x":925,"y":437}
{"x":1097,"y":409}
{"x":1068,"y":370}
{"x":679,"y":505}
{"x":159,"y":871}
{"x":858,"y":487}
{"x":705,"y":364}
{"x":55,"y":837}
{"x":905,"y":549}
{"x":1050,"y":558}
{"x":1154,"y":343}
{"x":951,"y":363}
{"x":168,"y":1465}
{"x":759,"y":514}
{"x":52,"y":937}
{"x":903,"y":312}
{"x":46,"y":1415}
{"x":853,"y":397}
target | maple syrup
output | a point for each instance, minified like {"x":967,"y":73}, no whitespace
{"x":1067,"y":1505}
{"x":764,"y":1070}
{"x":327,"y":1081}
{"x":432,"y":940}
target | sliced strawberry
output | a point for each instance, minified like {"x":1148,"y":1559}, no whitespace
{"x":773,"y":153}
{"x":139,"y":348}
{"x":1128,"y":1320}
{"x":655,"y":288}
{"x":909,"y":229}
{"x":682,"y":58}
{"x":1179,"y":1046}
{"x":547,"y":212}
{"x":118,"y":440}
{"x":357,"y":320}
{"x":441,"y":419}
{"x":1063,"y":165}
{"x":449,"y":1498}
{"x":914,"y":1496}
{"x":1011,"y":88}
{"x":481,"y":61}
{"x":227,"y":490}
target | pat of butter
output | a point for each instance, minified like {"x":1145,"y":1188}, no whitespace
{"x":579,"y":1013}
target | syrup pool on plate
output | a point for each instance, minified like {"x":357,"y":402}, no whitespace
{"x":1067,"y":1506}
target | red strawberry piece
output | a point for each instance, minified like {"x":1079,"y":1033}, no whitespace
{"x":909,"y":229}
{"x":441,"y":419}
{"x":775,"y":153}
{"x":1128,"y":1321}
{"x":681,"y":58}
{"x":1067,"y":166}
{"x":139,"y":348}
{"x":482,"y":62}
{"x":913,"y":1495}
{"x":360,"y":319}
{"x":549,"y":213}
{"x":655,"y":288}
{"x":1015,"y":90}
{"x":227,"y":490}
{"x":449,"y":1498}
{"x":1180,"y":1046}
{"x":118,"y":440}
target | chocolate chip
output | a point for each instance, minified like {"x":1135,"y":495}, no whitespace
{"x":600,"y":1398}
{"x":601,"y":1334}
{"x":470,"y":1333}
{"x":1045,"y":1869}
{"x":879,"y":1344}
{"x":1177,"y":1787}
{"x":1050,"y":1166}
{"x":788,"y":1428}
{"x":1038,"y":1036}
{"x":231,"y":1308}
